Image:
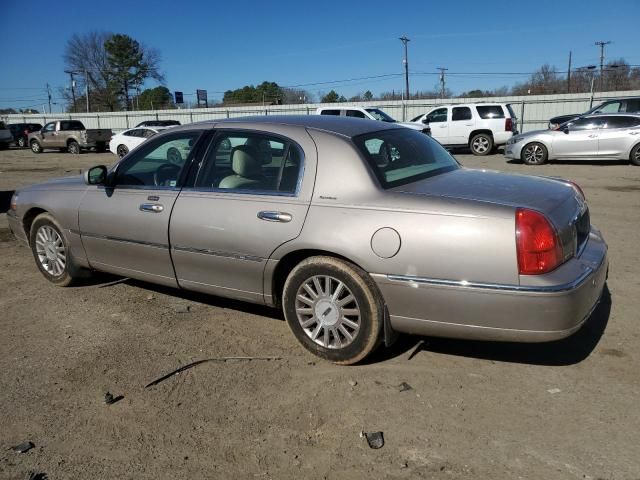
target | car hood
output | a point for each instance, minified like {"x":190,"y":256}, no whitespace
{"x":537,"y":193}
{"x":61,"y":183}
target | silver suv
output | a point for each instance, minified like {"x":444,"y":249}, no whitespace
{"x":480,"y":126}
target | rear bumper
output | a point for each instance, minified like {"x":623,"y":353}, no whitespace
{"x":518,"y":313}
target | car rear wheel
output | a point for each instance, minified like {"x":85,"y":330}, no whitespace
{"x":534,"y":153}
{"x":334,"y":309}
{"x":481,"y":144}
{"x":73,"y":147}
{"x":22,"y":142}
{"x":35,"y":146}
{"x":51,"y":252}
{"x":122,"y":150}
{"x":635,"y":155}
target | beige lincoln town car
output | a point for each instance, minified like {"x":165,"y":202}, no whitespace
{"x":356,"y":229}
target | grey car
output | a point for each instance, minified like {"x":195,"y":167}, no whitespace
{"x":591,"y":137}
{"x":357,"y":230}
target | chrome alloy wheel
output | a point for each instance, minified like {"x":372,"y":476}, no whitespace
{"x":328,"y":312}
{"x":481,"y":144}
{"x":50,"y":250}
{"x":533,"y":154}
{"x":636,"y":155}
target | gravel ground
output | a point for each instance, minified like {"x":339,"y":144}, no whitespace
{"x":565,"y":410}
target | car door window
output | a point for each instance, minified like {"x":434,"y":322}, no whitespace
{"x":488,"y":112}
{"x":460,"y":113}
{"x":50,"y":127}
{"x":131,"y":133}
{"x":330,"y":112}
{"x":620,"y":122}
{"x":584,"y":124}
{"x":147,"y":133}
{"x":157,"y":164}
{"x":438,"y":115}
{"x":356,"y":114}
{"x":251,"y":162}
{"x":633,"y":106}
{"x":613,"y":107}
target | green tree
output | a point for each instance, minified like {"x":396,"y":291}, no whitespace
{"x":331,"y":97}
{"x":266,"y":92}
{"x":367,"y":96}
{"x":130,"y":64}
{"x":155,"y":99}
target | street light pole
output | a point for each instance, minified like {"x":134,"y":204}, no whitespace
{"x":405,"y":40}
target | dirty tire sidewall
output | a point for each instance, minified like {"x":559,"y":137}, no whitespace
{"x":65,"y":279}
{"x":543,"y":158}
{"x":367,"y":296}
{"x":73,"y":147}
{"x":635,"y":155}
{"x":36,"y":147}
{"x":489,"y":142}
{"x":22,"y":142}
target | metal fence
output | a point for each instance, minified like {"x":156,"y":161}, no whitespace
{"x":533,"y":111}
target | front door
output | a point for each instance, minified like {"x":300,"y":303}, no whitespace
{"x":49,"y":135}
{"x":124,"y":227}
{"x":439,"y":122}
{"x":580,"y":140}
{"x":617,"y":134}
{"x":248,"y":199}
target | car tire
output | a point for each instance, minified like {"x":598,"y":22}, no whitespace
{"x":22,"y":142}
{"x":348,"y":301}
{"x":50,"y":250}
{"x":122,"y":150}
{"x":534,"y":153}
{"x":35,"y":146}
{"x":73,"y":147}
{"x":481,"y":144}
{"x":635,"y":155}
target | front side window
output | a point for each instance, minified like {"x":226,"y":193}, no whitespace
{"x":380,"y":115}
{"x":50,"y":127}
{"x":157,"y":164}
{"x":461,"y":113}
{"x":584,"y":124}
{"x":402,"y":156}
{"x":437,"y":115}
{"x":356,"y":114}
{"x":612,"y":107}
{"x":330,"y":112}
{"x":488,"y":112}
{"x":249,"y":162}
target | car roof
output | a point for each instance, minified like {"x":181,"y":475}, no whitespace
{"x":616,"y":114}
{"x":345,"y":126}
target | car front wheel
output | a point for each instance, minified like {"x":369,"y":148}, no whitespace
{"x":534,"y":153}
{"x":122,"y":150}
{"x":35,"y":147}
{"x":334,"y":309}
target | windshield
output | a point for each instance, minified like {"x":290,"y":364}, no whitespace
{"x":380,"y":115}
{"x":402,"y":156}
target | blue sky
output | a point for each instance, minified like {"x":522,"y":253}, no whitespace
{"x":225,"y":45}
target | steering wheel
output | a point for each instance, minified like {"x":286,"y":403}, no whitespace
{"x":167,"y":171}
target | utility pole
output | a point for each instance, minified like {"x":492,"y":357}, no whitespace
{"x":602,"y":44}
{"x":405,"y":40}
{"x":442,"y":70}
{"x":569,"y":74}
{"x":73,"y":89}
{"x":49,"y":97}
{"x":86,"y":89}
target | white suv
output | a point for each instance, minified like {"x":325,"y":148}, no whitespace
{"x":372,"y":113}
{"x":480,"y":126}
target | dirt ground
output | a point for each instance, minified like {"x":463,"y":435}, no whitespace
{"x":563,"y":410}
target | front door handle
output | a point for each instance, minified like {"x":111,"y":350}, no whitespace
{"x":593,"y":135}
{"x":151,"y":207}
{"x":634,"y":133}
{"x":275,"y":216}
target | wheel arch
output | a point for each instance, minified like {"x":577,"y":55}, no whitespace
{"x":28,"y":218}
{"x":479,"y":130}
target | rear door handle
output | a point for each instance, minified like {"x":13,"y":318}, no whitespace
{"x":151,"y":207}
{"x":275,"y":216}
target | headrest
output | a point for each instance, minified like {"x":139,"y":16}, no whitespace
{"x":382,"y":157}
{"x":244,"y":161}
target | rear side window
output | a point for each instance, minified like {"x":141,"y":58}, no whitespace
{"x":402,"y":156}
{"x":461,"y":113}
{"x":356,"y":114}
{"x":330,"y":112}
{"x":488,"y":112}
{"x":620,"y":122}
{"x":633,"y":106}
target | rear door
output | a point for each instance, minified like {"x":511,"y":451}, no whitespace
{"x":617,"y":135}
{"x":439,"y":122}
{"x":250,"y":195}
{"x":461,"y":125}
{"x":580,"y":140}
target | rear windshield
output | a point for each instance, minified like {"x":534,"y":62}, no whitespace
{"x":71,"y":125}
{"x":402,"y":156}
{"x":490,"y":111}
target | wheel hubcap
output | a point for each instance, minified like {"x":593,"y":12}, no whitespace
{"x":328,"y":312}
{"x":481,"y":145}
{"x":50,"y":250}
{"x":533,"y":154}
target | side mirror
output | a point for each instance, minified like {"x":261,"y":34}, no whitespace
{"x":95,"y":175}
{"x":425,"y":120}
{"x":565,"y":130}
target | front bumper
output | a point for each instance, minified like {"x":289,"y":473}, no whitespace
{"x":513,"y":150}
{"x":15,"y":225}
{"x":519,"y":313}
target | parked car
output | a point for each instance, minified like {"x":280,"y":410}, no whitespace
{"x":618,"y":105}
{"x":21,"y":131}
{"x":121,"y":143}
{"x":356,"y":229}
{"x":593,"y":137}
{"x":371,"y":113}
{"x":6,"y":138}
{"x":69,"y":136}
{"x":480,"y":126}
{"x":158,"y":123}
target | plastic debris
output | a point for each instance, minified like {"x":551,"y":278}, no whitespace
{"x":404,"y":386}
{"x":353,"y":383}
{"x":23,"y":447}
{"x":182,"y":308}
{"x":37,"y":476}
{"x":554,"y":390}
{"x":109,"y":399}
{"x":374,"y":439}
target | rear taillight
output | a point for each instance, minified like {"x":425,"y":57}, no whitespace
{"x":508,"y":125}
{"x":537,"y":243}
{"x":27,"y":132}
